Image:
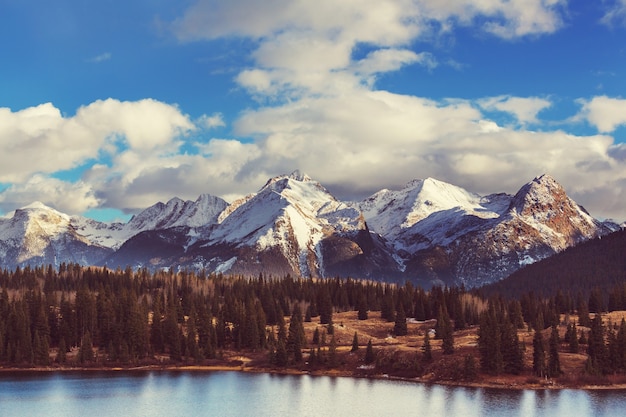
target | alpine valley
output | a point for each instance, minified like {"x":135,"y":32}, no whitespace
{"x":428,"y":232}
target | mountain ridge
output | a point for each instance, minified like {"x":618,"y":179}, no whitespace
{"x":428,"y":232}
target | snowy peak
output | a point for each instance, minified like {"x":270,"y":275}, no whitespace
{"x":41,"y":235}
{"x":290,"y":215}
{"x":539,"y":194}
{"x":177,"y":212}
{"x":428,"y":231}
{"x":423,"y":203}
{"x":544,"y":202}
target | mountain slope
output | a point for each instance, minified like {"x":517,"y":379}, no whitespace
{"x":444,"y":233}
{"x":292,"y":225}
{"x":40,"y":235}
{"x":596,"y":263}
{"x":428,"y":232}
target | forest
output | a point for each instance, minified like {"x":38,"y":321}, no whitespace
{"x":85,"y":317}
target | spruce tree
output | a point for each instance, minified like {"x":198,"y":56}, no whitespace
{"x":596,"y":349}
{"x":554,"y":364}
{"x":355,"y":343}
{"x":573,"y":339}
{"x":400,"y":327}
{"x":539,"y":354}
{"x":426,"y":348}
{"x":333,"y":361}
{"x":362,"y":307}
{"x":296,"y":338}
{"x":370,"y":355}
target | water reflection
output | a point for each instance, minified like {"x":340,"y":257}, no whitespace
{"x":241,"y":394}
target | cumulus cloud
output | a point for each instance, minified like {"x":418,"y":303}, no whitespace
{"x":385,"y":60}
{"x":370,"y":140}
{"x":524,"y":109}
{"x":320,"y":112}
{"x":41,"y":140}
{"x":303,"y":46}
{"x":605,"y":113}
{"x":65,"y":196}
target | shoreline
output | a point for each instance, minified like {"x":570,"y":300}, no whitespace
{"x":486,"y":384}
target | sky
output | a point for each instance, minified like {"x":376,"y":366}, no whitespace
{"x":109,"y":107}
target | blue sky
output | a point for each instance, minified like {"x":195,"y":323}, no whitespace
{"x":109,"y":107}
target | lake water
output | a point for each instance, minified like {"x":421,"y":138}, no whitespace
{"x":127,"y":394}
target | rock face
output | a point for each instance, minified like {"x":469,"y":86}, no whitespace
{"x":428,"y":232}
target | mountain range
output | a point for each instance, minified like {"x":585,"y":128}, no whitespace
{"x":427,"y":232}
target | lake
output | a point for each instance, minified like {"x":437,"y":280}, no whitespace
{"x":160,"y":393}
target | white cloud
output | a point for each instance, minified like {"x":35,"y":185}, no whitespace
{"x":40,"y":140}
{"x":66,"y":197}
{"x":616,"y":13}
{"x":525,"y":109}
{"x":304,"y":46}
{"x":605,"y":113}
{"x":101,"y":58}
{"x":385,"y":60}
{"x":211,"y":122}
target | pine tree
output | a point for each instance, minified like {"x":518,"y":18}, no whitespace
{"x":316,"y":336}
{"x":447,"y":335}
{"x":400,"y":327}
{"x":62,"y":352}
{"x":85,"y":353}
{"x":554,"y":364}
{"x":426,"y":348}
{"x":573,"y":339}
{"x":470,"y":372}
{"x":362,"y":307}
{"x":512,"y":357}
{"x":332,"y":353}
{"x":370,"y":355}
{"x":490,"y":339}
{"x":355,"y":343}
{"x":596,"y":349}
{"x":296,"y":338}
{"x":539,"y":354}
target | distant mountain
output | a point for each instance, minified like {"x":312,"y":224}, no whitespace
{"x":448,"y":234}
{"x":427,"y":232}
{"x":39,"y":235}
{"x":596,"y":263}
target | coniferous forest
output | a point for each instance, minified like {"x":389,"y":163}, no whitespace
{"x":85,"y":317}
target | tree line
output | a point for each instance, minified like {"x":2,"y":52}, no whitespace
{"x":95,"y":314}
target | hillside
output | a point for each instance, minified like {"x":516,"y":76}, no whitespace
{"x":597,"y":263}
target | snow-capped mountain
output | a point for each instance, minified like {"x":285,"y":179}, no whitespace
{"x":429,"y":231}
{"x":292,"y":225}
{"x":443,"y":232}
{"x":40,"y":235}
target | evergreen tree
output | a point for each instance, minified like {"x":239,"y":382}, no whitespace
{"x":296,"y":338}
{"x":332,"y":353}
{"x":539,"y":354}
{"x":447,"y":335}
{"x":573,"y":339}
{"x":62,"y":352}
{"x":470,"y":373}
{"x":316,"y":337}
{"x":400,"y":327}
{"x":85,"y":353}
{"x":426,"y":348}
{"x":355,"y":343}
{"x":362,"y":308}
{"x":596,"y":349}
{"x":511,"y":352}
{"x":554,"y":364}
{"x":370,"y":355}
{"x":490,"y":340}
